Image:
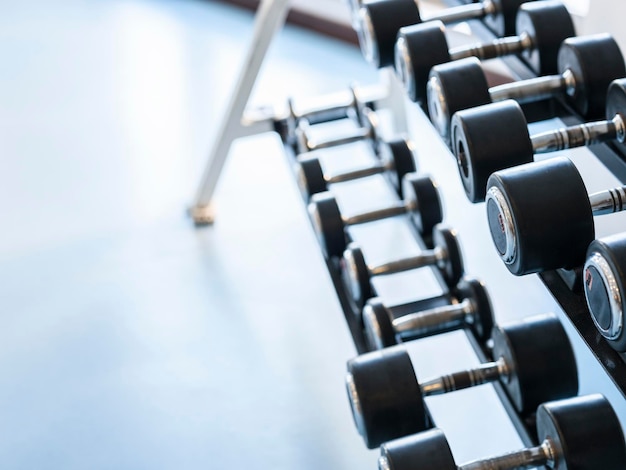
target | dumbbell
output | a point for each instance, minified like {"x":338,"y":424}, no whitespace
{"x":367,"y":131}
{"x":352,"y":108}
{"x":540,"y":216}
{"x":445,"y":256}
{"x":580,"y":433}
{"x":586,"y":67}
{"x":533,"y":360}
{"x":495,"y":136}
{"x":421,"y":202}
{"x":471,"y":309}
{"x":380,"y":20}
{"x":395,"y":159}
{"x":604,"y":277}
{"x":541,"y":28}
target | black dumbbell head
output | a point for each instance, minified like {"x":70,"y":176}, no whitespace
{"x":422,"y":195}
{"x":454,"y":86}
{"x":486,"y":139}
{"x":378,"y":325}
{"x":616,"y":104}
{"x":482,"y":318}
{"x":548,"y":23}
{"x":379,"y":23}
{"x":595,"y":61}
{"x":585,"y":433}
{"x":503,"y":22}
{"x":542,"y":362}
{"x":604,"y":281}
{"x":539,"y":216}
{"x":398,"y":152}
{"x":385,"y":397}
{"x":328,"y":223}
{"x":453,"y":268}
{"x":310,"y":175}
{"x":356,"y":275}
{"x":427,"y":450}
{"x":419,"y":48}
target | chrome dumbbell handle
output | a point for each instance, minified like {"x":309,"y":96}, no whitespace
{"x":535,"y":89}
{"x":496,"y":48}
{"x":397,"y":208}
{"x":581,"y":135}
{"x":432,"y":257}
{"x":434,"y":319}
{"x":357,"y":136}
{"x":374,"y":169}
{"x":542,"y":455}
{"x":484,"y":373}
{"x":609,"y":201}
{"x":465,"y":12}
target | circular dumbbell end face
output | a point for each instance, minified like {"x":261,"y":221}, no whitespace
{"x":310,"y":176}
{"x":501,"y":224}
{"x":482,"y":310}
{"x":604,"y":288}
{"x":356,"y":275}
{"x":385,"y":396}
{"x":452,"y":266}
{"x":428,"y":450}
{"x":378,"y":326}
{"x":327,"y":223}
{"x":438,"y":107}
{"x":355,"y":404}
{"x":398,"y":154}
{"x":404,"y":67}
{"x":422,"y":195}
{"x":365,"y":32}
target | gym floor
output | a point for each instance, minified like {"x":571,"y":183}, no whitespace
{"x":130,"y":338}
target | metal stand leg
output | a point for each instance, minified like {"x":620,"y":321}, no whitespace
{"x":269,"y":20}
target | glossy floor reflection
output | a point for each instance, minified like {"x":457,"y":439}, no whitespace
{"x":129,"y":338}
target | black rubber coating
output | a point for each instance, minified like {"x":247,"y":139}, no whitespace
{"x":389,"y":396}
{"x":310,"y":176}
{"x":486,"y":139}
{"x":503,"y":22}
{"x":422,"y":192}
{"x":483,"y":319}
{"x":462,"y":85}
{"x":585,"y":431}
{"x":595,"y":62}
{"x":613,"y":250}
{"x":616,"y":103}
{"x":356,"y":275}
{"x":540,"y":355}
{"x":428,"y":450}
{"x":446,"y":238}
{"x":548,"y":23}
{"x":378,"y":326}
{"x":400,"y":153}
{"x":552,"y":228}
{"x":427,"y":46}
{"x":387,"y":17}
{"x":329,"y":226}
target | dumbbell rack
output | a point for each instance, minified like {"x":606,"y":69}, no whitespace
{"x":561,"y":285}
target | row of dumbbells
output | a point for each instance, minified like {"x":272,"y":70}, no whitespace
{"x":387,"y":400}
{"x":537,"y":230}
{"x":533,"y":231}
{"x":532,"y":360}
